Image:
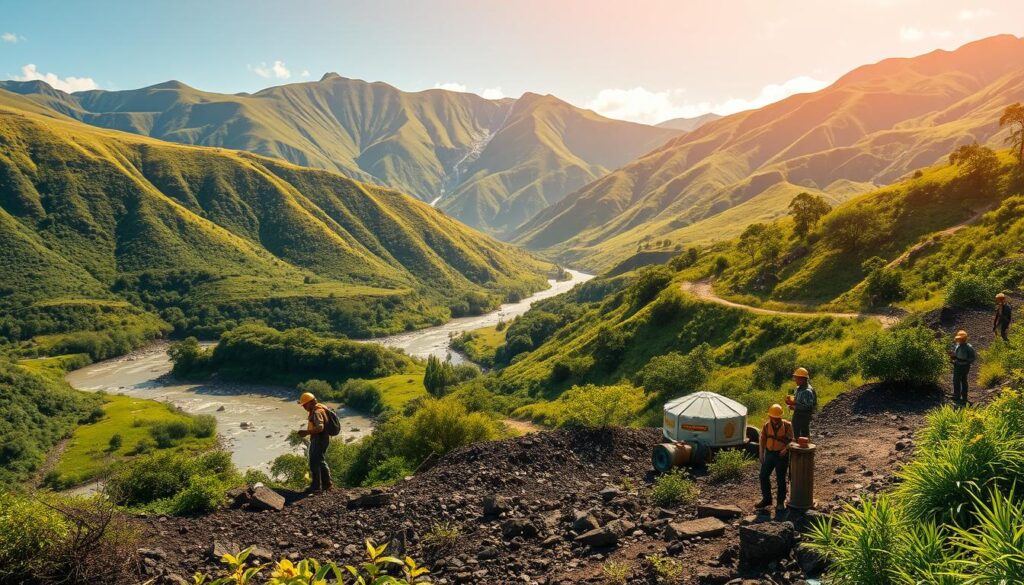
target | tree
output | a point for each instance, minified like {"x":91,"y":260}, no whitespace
{"x":853,"y":228}
{"x":763,"y":242}
{"x":807,"y":210}
{"x":675,"y":374}
{"x":1013,"y":117}
{"x":438,"y":377}
{"x":883,"y":285}
{"x":977,"y":163}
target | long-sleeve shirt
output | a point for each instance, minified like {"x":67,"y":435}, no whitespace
{"x":317,"y":421}
{"x":963,"y":354}
{"x":1002,"y":316}
{"x":806,"y":399}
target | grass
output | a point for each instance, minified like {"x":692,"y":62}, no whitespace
{"x":728,"y":465}
{"x":480,"y":345}
{"x":400,"y":389}
{"x":88,"y":455}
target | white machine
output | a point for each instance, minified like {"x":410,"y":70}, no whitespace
{"x":698,"y":424}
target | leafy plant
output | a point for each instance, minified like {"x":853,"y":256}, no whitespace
{"x":666,"y":569}
{"x":674,"y":489}
{"x":616,"y":572}
{"x":675,"y":374}
{"x":774,"y":366}
{"x":442,"y":537}
{"x":905,"y":355}
{"x":969,"y":290}
{"x":728,"y":465}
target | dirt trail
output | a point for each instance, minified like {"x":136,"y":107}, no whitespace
{"x":703,"y":290}
{"x":936,"y":236}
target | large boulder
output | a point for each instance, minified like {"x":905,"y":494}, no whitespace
{"x":518,"y":527}
{"x":702,"y":527}
{"x":765,"y":542}
{"x":264,"y":498}
{"x":583,"y":522}
{"x":811,"y":563}
{"x":495,"y":506}
{"x":607,"y":535}
{"x":375,"y":498}
{"x":720,"y":511}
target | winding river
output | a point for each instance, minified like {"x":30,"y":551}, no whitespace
{"x":254,"y":420}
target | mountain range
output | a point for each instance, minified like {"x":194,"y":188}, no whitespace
{"x":492,"y":164}
{"x":869,"y":128}
{"x":89,"y":214}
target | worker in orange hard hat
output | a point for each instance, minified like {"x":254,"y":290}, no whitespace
{"x":802,"y":402}
{"x":776,"y":435}
{"x":962,"y":355}
{"x":1001,"y":322}
{"x":319,"y":441}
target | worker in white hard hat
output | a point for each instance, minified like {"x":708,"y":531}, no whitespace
{"x":802,"y":402}
{"x":776,"y":435}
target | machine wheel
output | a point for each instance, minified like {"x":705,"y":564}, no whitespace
{"x":753,"y":435}
{"x":661,"y":459}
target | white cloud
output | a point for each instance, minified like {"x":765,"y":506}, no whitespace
{"x":9,"y":37}
{"x":968,"y":14}
{"x":451,"y":86}
{"x":909,"y":34}
{"x":69,"y":84}
{"x":305,"y":73}
{"x":276,"y":70}
{"x":650,"y":107}
{"x":492,"y":93}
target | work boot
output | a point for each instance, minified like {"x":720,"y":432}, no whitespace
{"x":763,"y":504}
{"x":780,"y":507}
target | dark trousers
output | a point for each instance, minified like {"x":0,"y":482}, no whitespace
{"x":773,"y":461}
{"x":801,"y":424}
{"x":319,"y":473}
{"x":1004,"y":328}
{"x":960,"y":373}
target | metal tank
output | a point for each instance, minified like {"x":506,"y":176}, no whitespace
{"x":696,"y":425}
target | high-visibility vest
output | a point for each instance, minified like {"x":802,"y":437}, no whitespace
{"x":777,"y":440}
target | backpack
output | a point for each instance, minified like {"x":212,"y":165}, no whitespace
{"x":332,"y":426}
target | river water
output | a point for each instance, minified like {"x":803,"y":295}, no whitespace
{"x":270,"y":413}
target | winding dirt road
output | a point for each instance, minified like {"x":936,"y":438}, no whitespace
{"x":702,"y":290}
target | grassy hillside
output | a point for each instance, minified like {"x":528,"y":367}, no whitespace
{"x":498,"y":161}
{"x":207,"y":237}
{"x":508,"y":184}
{"x":947,"y":235}
{"x":872,"y":127}
{"x":688,"y":124}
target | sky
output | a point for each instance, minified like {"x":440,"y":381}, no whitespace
{"x":639,"y":60}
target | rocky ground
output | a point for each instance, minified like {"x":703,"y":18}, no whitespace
{"x":555,"y":507}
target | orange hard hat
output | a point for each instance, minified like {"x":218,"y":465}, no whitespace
{"x":961,"y":335}
{"x":801,"y":373}
{"x":1000,"y":297}
{"x":775,"y":411}
{"x":306,"y":397}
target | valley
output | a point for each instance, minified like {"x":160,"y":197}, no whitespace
{"x":489,"y":307}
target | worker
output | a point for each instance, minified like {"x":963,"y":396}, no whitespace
{"x":1001,"y":322}
{"x":776,"y":435}
{"x":319,"y":440}
{"x":802,"y":403}
{"x":962,"y":355}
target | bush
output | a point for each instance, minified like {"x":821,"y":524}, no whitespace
{"x":142,"y":447}
{"x":675,"y":374}
{"x":600,"y":406}
{"x":169,"y":433}
{"x":674,"y":489}
{"x":567,"y":368}
{"x":882,"y":285}
{"x":115,"y":442}
{"x":969,"y":290}
{"x":391,"y":470}
{"x":290,"y":470}
{"x":204,"y":494}
{"x":363,"y":396}
{"x":908,"y":355}
{"x":851,"y":228}
{"x":774,"y":367}
{"x":728,"y":465}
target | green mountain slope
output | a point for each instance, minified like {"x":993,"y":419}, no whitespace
{"x":208,"y":237}
{"x":507,"y":184}
{"x":497,"y":161}
{"x":869,"y":128}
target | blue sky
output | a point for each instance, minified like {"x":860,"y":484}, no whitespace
{"x":644,"y":60}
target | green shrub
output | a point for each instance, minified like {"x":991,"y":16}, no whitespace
{"x":570,"y":368}
{"x":318,"y":388}
{"x":142,"y":447}
{"x":29,"y":532}
{"x":970,"y":290}
{"x":116,"y":440}
{"x":908,"y":355}
{"x":156,"y":481}
{"x":203,"y":426}
{"x":728,"y":465}
{"x":617,"y":572}
{"x":675,"y":374}
{"x":389,"y":471}
{"x":774,"y":367}
{"x":442,"y":537}
{"x":599,"y":406}
{"x":883,"y":285}
{"x":363,"y":396}
{"x":674,"y":489}
{"x":204,"y":494}
{"x":169,"y":433}
{"x":290,"y":470}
